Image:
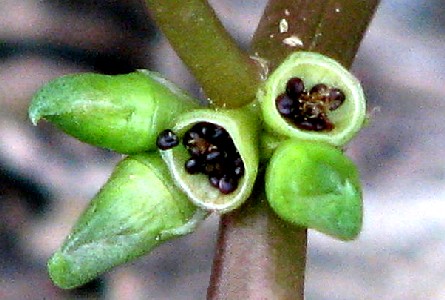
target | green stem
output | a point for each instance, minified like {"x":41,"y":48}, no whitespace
{"x":227,"y":75}
{"x":258,"y":256}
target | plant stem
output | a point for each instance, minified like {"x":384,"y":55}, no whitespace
{"x":226,"y":73}
{"x":332,"y":27}
{"x":258,"y":256}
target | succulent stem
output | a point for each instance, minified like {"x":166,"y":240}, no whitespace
{"x":210,"y":53}
{"x":238,"y":270}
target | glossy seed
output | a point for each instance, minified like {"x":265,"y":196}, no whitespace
{"x":214,"y":154}
{"x":321,"y":89}
{"x":314,"y":124}
{"x":167,"y":139}
{"x":336,"y":98}
{"x":227,"y":185}
{"x":285,"y":105}
{"x":214,"y":181}
{"x":294,"y":87}
{"x":193,"y":166}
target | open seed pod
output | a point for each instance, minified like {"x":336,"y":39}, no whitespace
{"x":215,"y":158}
{"x":136,"y":210}
{"x":124,"y":113}
{"x":312,"y":97}
{"x":314,"y":185}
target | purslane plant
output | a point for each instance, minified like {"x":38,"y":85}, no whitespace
{"x":212,"y":156}
{"x":210,"y":160}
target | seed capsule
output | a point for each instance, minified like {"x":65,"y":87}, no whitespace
{"x":216,"y":165}
{"x":135,"y":211}
{"x":124,"y":113}
{"x":315,"y":185}
{"x":312,"y":97}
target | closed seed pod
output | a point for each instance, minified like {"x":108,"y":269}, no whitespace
{"x":123,"y":113}
{"x":217,"y":173}
{"x":314,"y":185}
{"x":136,"y":210}
{"x":312,"y":97}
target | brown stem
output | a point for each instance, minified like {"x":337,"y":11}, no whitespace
{"x":258,"y":256}
{"x":332,"y":27}
{"x":226,"y":73}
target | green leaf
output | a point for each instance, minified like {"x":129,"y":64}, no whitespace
{"x":124,"y":113}
{"x":136,"y":210}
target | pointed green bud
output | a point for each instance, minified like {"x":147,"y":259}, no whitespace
{"x":124,"y":113}
{"x":314,"y":185}
{"x":313,"y":97}
{"x":216,"y":161}
{"x":136,"y":210}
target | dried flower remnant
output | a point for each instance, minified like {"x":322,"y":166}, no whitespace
{"x":308,"y":110}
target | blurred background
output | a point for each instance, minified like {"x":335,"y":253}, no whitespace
{"x":47,"y":178}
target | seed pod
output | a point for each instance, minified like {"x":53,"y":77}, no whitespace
{"x":314,"y":185}
{"x":320,"y":118}
{"x":225,"y":182}
{"x":136,"y":210}
{"x":124,"y":113}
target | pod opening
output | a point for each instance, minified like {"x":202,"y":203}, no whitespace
{"x":308,"y":109}
{"x":212,"y":153}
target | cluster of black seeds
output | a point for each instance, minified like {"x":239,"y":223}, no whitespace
{"x":212,"y":152}
{"x":308,"y":109}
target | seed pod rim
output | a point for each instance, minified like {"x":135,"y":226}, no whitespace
{"x":247,"y":148}
{"x":351,"y":114}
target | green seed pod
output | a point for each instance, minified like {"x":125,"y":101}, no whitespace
{"x":312,"y":97}
{"x":124,"y":113}
{"x":215,"y":173}
{"x":314,"y":185}
{"x":136,"y":210}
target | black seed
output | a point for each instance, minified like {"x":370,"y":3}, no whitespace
{"x":285,"y":105}
{"x":336,"y":98}
{"x":193,"y":166}
{"x":294,"y":88}
{"x":314,"y":124}
{"x":227,"y":185}
{"x":214,"y":169}
{"x":238,"y":170}
{"x":214,"y":155}
{"x":214,"y":181}
{"x":321,"y":89}
{"x":167,"y":139}
{"x":194,"y":151}
{"x":219,"y":134}
{"x":189,"y":138}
